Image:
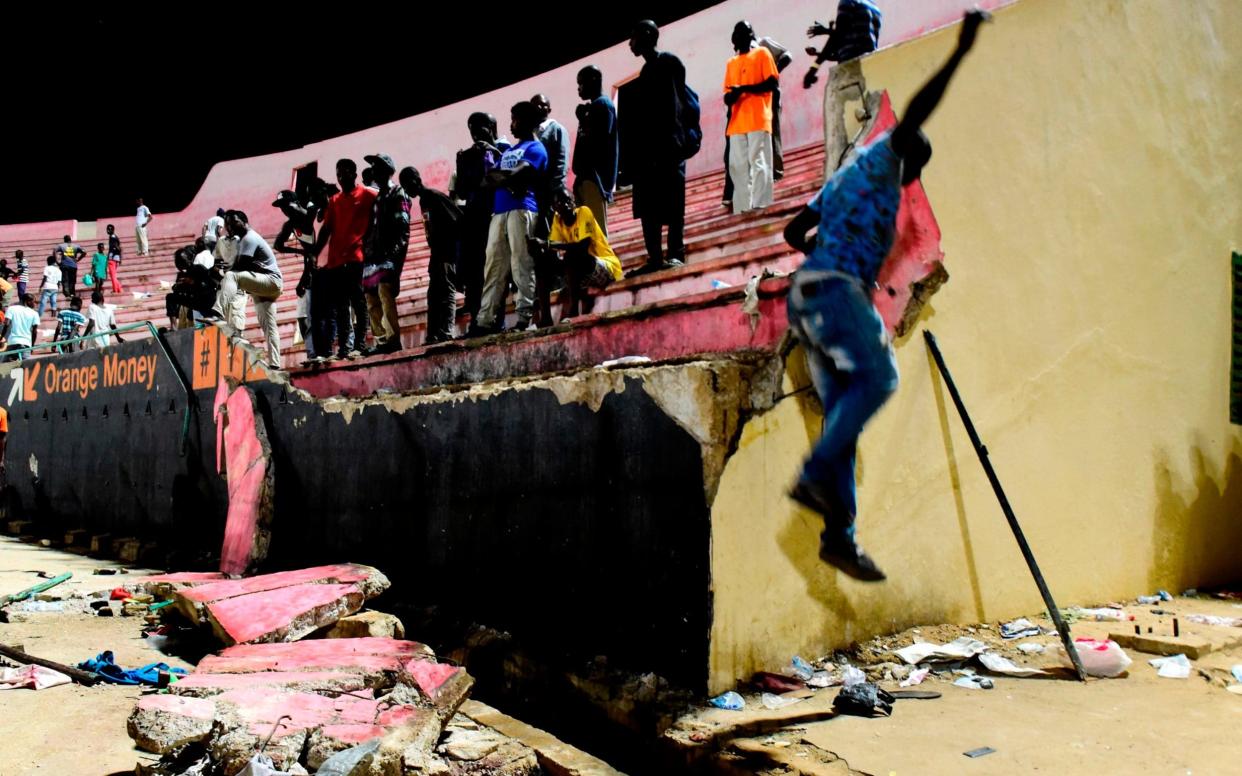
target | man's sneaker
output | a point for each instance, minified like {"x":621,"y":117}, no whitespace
{"x":315,"y":361}
{"x":838,"y":548}
{"x":351,"y":355}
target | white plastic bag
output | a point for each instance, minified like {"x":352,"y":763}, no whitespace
{"x":1102,"y":658}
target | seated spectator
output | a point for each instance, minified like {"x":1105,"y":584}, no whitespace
{"x":49,"y":285}
{"x":514,"y":212}
{"x":589,"y":261}
{"x":443,"y":221}
{"x":202,"y":254}
{"x":21,"y":326}
{"x":102,"y":319}
{"x":256,"y":272}
{"x":70,"y":323}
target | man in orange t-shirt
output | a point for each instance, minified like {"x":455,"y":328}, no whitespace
{"x":750,"y":79}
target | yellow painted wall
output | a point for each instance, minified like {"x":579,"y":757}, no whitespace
{"x":1086,"y":178}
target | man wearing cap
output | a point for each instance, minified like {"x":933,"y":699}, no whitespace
{"x":383,"y":253}
{"x":255,"y":272}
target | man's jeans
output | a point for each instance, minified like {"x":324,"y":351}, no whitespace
{"x":853,"y":368}
{"x":266,"y":290}
{"x":47,"y":297}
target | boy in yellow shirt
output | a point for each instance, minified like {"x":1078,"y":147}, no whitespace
{"x":589,"y":261}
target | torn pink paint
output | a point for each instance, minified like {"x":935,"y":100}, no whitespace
{"x":284,"y":614}
{"x":245,"y":457}
{"x":180,"y":578}
{"x":431,"y":676}
{"x":916,"y":253}
{"x":373,"y":667}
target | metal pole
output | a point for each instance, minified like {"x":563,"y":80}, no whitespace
{"x":982,"y":451}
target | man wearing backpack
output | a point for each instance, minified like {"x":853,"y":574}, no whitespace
{"x":660,"y":130}
{"x":750,"y":79}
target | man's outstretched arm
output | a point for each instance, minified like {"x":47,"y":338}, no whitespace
{"x":921,"y":107}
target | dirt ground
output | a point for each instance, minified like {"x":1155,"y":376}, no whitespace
{"x":1138,"y":723}
{"x":68,"y":730}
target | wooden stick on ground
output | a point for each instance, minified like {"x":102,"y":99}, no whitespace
{"x":39,"y":588}
{"x":81,"y":677}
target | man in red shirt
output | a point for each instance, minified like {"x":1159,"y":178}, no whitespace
{"x":338,"y":279}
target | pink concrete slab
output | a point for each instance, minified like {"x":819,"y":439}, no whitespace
{"x":246,"y":460}
{"x":344,"y":573}
{"x":203,"y":684}
{"x":371,"y":666}
{"x":431,"y":676}
{"x":262,"y":707}
{"x":341,"y":649}
{"x":198,"y":708}
{"x":285,"y":614}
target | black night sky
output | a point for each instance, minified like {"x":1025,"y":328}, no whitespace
{"x":105,"y":103}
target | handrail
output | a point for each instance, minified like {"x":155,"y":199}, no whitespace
{"x":191,"y":401}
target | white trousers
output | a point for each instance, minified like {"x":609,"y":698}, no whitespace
{"x":750,"y":168}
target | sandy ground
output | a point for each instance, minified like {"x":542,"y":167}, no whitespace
{"x":1135,"y":724}
{"x":68,"y":730}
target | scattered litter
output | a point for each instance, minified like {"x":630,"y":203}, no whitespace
{"x":863,"y":700}
{"x":1211,"y":619}
{"x":958,"y":649}
{"x":1236,"y":689}
{"x":40,"y":606}
{"x":1001,"y":665}
{"x":774,"y":702}
{"x":140,"y":295}
{"x":980,"y":752}
{"x":915,"y":678}
{"x":1102,"y":658}
{"x":1175,"y":667}
{"x":625,"y":361}
{"x":801,"y":669}
{"x":109,"y":571}
{"x":1164,"y":595}
{"x":119,"y":594}
{"x":1148,"y":600}
{"x":1101,"y":614}
{"x":720,"y":284}
{"x":1030,"y":648}
{"x":777,"y":683}
{"x":730,"y":701}
{"x":973,"y":681}
{"x":852,"y":675}
{"x":33,"y":677}
{"x":1237,"y":672}
{"x":102,"y":608}
{"x":1019,"y":628}
{"x":344,"y":763}
{"x":822,"y":679}
{"x":39,"y":588}
{"x":105,"y":665}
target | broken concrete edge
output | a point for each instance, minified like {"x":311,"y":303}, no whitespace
{"x":190,"y":600}
{"x":240,"y":620}
{"x":555,"y":756}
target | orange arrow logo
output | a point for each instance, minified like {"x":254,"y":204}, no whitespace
{"x":30,"y":379}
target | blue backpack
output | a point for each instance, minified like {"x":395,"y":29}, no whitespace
{"x":688,"y":134}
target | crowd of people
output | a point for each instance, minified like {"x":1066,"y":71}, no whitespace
{"x":508,"y":224}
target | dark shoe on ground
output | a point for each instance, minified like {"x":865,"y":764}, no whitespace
{"x":392,"y":346}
